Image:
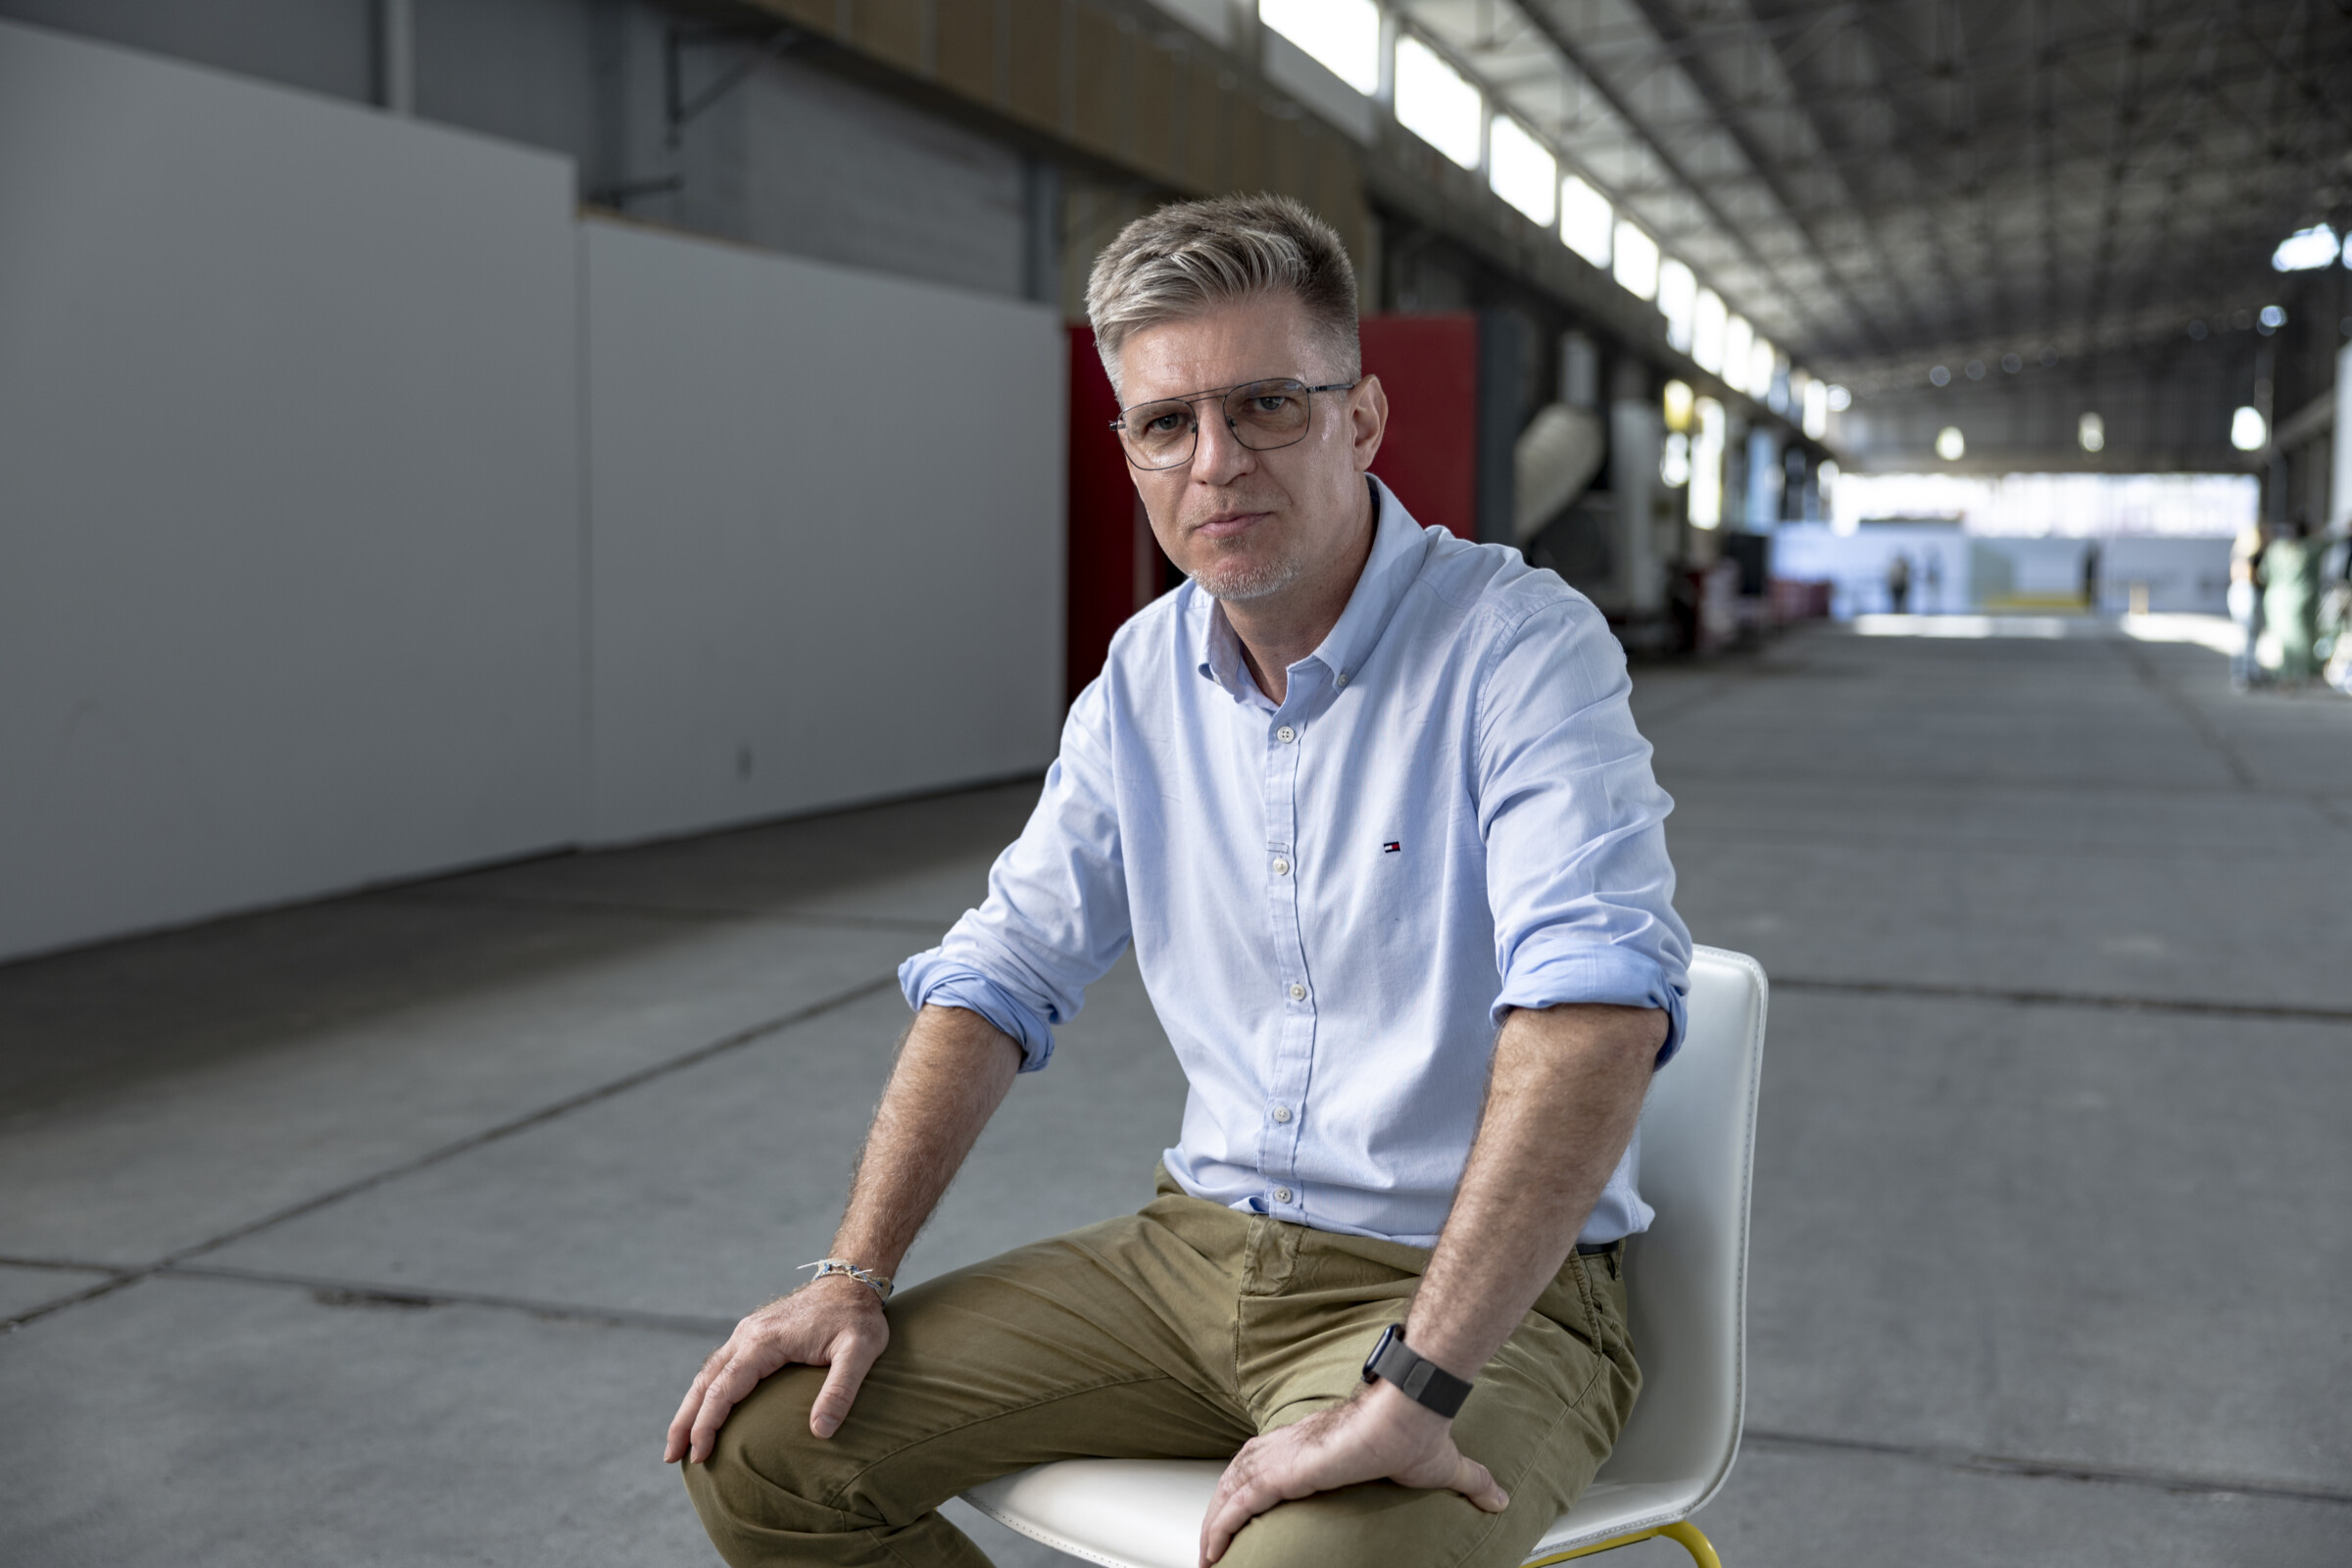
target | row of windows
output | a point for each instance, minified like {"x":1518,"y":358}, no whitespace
{"x":1445,"y":109}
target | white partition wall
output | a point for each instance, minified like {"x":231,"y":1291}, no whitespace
{"x":290,"y":585}
{"x":826,"y":523}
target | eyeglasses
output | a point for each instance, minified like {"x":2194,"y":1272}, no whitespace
{"x":1262,"y":416}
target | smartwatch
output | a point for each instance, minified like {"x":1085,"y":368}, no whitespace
{"x":1422,"y":1380}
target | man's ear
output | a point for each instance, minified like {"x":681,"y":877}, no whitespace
{"x":1368,"y":421}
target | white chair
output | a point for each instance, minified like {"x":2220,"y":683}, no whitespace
{"x":1687,"y":1279}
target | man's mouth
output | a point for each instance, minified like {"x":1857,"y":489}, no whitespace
{"x":1226,"y":524}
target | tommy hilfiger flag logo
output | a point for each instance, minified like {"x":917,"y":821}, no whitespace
{"x":1390,"y":848}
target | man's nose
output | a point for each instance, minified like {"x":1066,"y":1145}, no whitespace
{"x":1217,"y":456}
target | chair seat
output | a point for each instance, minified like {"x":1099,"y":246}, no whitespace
{"x":1147,"y":1513}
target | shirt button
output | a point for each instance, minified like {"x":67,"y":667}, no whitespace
{"x":1282,"y":1113}
{"x":1342,"y":680}
{"x":1282,"y":868}
{"x":1286,"y":734}
{"x":1298,"y":992}
{"x":1281,"y":1195}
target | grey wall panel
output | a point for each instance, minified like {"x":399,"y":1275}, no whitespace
{"x":525,"y":70}
{"x":290,"y":588}
{"x":324,"y":46}
{"x":826,"y":533}
{"x":835,"y":171}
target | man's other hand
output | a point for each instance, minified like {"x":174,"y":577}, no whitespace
{"x":833,"y":1322}
{"x":1378,"y":1435}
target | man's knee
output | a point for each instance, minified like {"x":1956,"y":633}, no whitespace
{"x":769,"y":1474}
{"x":1380,"y":1525}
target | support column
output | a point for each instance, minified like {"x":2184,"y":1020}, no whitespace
{"x":1637,"y":438}
{"x":396,"y":56}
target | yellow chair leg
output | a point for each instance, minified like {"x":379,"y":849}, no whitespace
{"x":1681,"y":1532}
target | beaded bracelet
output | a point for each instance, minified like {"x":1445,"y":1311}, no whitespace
{"x":880,"y":1284}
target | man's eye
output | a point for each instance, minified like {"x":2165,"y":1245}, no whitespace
{"x":1271,"y":401}
{"x":1164,"y":424}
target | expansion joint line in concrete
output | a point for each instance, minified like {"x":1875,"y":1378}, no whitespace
{"x":2003,"y":1464}
{"x":2281,"y":1011}
{"x":176,"y":1261}
{"x":681,"y":913}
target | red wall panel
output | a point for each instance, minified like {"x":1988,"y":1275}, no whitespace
{"x":1427,"y":365}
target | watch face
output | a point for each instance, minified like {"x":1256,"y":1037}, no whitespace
{"x":1389,"y":1337}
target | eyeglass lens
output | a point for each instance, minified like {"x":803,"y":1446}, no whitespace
{"x":1262,"y":416}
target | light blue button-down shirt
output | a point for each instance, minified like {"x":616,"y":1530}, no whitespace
{"x":1334,"y":900}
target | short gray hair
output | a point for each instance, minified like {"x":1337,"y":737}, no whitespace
{"x":1190,"y":256}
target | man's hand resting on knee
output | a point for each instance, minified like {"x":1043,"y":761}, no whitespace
{"x":1378,"y":1435}
{"x":833,"y":1322}
{"x":953,"y":1070}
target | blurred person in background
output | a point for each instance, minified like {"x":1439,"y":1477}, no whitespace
{"x":1898,"y":582}
{"x":2336,"y":613}
{"x":1369,"y":803}
{"x":2290,"y":601}
{"x":2247,"y":553}
{"x":2090,"y":577}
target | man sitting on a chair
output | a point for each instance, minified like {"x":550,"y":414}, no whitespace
{"x":1370,"y":804}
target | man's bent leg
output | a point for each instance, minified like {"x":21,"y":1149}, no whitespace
{"x":1544,"y":1414}
{"x":1073,"y":1346}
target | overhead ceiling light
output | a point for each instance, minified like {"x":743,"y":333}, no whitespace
{"x":1636,"y":261}
{"x":1707,"y":324}
{"x":1674,"y":464}
{"x":1678,"y":302}
{"x":1950,"y":445}
{"x":1738,"y":353}
{"x":1436,"y":103}
{"x":2272,"y":318}
{"x":2249,"y":431}
{"x":2011,"y":364}
{"x":1587,"y":221}
{"x":1342,"y":37}
{"x":2092,"y":431}
{"x":1522,"y":171}
{"x":2305,"y":249}
{"x":1939,"y":375}
{"x":1838,"y":398}
{"x":1676,"y":405}
{"x":1706,"y":505}
{"x":1817,"y":409}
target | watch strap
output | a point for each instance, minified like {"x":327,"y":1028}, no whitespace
{"x":1420,"y":1379}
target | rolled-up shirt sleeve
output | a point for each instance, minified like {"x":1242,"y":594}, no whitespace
{"x":1578,"y":878}
{"x":1056,"y":917}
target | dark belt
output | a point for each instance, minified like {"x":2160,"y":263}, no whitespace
{"x":1595,"y":1249}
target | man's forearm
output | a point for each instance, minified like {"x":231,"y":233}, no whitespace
{"x":1562,"y":1100}
{"x":953,"y":1071}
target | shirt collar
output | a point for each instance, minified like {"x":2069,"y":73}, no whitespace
{"x":1398,"y":550}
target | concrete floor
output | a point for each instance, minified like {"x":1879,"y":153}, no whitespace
{"x":389,"y":1230}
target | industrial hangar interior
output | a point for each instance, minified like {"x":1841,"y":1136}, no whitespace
{"x":546,"y":547}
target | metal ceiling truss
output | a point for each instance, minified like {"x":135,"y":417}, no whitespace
{"x":1882,"y":184}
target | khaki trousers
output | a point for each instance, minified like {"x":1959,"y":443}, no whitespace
{"x":1178,"y":1332}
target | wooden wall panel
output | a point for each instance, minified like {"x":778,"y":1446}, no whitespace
{"x":966,"y":33}
{"x":1208,"y":110}
{"x":1153,"y":125}
{"x":891,"y":30}
{"x":1036,"y":72}
{"x":1099,"y":91}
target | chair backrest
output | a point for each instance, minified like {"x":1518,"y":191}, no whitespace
{"x":1687,"y":1276}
